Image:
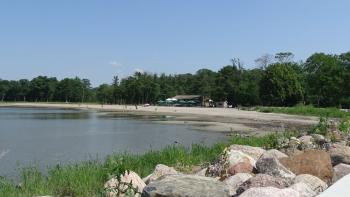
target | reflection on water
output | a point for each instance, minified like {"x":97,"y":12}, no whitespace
{"x":135,"y":116}
{"x":51,"y":136}
{"x":45,"y":114}
{"x":3,"y":153}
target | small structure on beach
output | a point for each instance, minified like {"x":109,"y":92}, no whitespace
{"x":188,"y":101}
{"x":222,"y":104}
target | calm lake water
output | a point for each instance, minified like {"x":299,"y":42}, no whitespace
{"x":43,"y":137}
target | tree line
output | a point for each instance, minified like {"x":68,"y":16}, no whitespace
{"x":321,"y":80}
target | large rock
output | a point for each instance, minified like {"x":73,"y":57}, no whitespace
{"x":273,"y":153}
{"x":273,"y":167}
{"x":339,"y":154}
{"x":263,"y":180}
{"x":128,"y":183}
{"x":269,"y":192}
{"x":185,"y":185}
{"x":231,"y":162}
{"x":303,"y":190}
{"x":292,"y":152}
{"x":254,"y":152}
{"x":235,"y":157}
{"x":339,"y":171}
{"x":314,"y":162}
{"x":235,"y":181}
{"x":318,"y":138}
{"x":159,"y":171}
{"x":195,"y":169}
{"x":244,"y":165}
{"x":314,"y":183}
{"x":306,"y":139}
{"x":202,"y":172}
{"x":306,"y":142}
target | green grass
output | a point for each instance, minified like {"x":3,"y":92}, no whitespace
{"x":87,"y":178}
{"x":306,"y":110}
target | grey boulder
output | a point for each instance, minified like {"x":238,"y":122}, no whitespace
{"x":273,"y":167}
{"x":263,"y":180}
{"x":313,"y":182}
{"x":273,"y":153}
{"x":159,"y":171}
{"x":236,"y":180}
{"x":269,"y":192}
{"x":254,"y":152}
{"x":303,"y":190}
{"x":339,"y":154}
{"x":339,"y":171}
{"x":185,"y":185}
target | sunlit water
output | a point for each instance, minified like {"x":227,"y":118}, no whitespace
{"x":44,"y":137}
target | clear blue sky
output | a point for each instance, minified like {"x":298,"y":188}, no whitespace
{"x":99,"y":39}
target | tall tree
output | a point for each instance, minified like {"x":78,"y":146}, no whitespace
{"x":105,"y":93}
{"x":226,"y":82}
{"x":263,"y":61}
{"x":204,"y":82}
{"x":325,"y":79}
{"x":116,"y":89}
{"x":42,"y":88}
{"x":248,"y":93}
{"x":284,"y":57}
{"x":281,"y":85}
{"x":345,"y":101}
{"x":70,"y":90}
{"x":4,"y":86}
{"x":24,"y":88}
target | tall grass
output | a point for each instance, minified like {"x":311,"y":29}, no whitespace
{"x":307,"y":110}
{"x":87,"y":178}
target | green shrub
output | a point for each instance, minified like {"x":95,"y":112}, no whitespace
{"x":321,"y":128}
{"x":344,"y":125}
{"x":307,"y":110}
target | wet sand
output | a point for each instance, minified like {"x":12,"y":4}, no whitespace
{"x":208,"y":119}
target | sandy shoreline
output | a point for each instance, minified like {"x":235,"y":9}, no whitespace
{"x":211,"y":119}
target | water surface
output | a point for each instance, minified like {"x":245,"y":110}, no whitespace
{"x":45,"y":137}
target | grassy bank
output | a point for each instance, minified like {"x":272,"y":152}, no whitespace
{"x":87,"y":178}
{"x":306,"y":110}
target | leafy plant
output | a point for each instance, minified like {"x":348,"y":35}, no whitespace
{"x":344,"y":125}
{"x":322,"y":127}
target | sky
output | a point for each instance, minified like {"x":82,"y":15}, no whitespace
{"x":102,"y":38}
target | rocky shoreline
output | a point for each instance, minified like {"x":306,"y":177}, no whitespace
{"x":303,"y":166}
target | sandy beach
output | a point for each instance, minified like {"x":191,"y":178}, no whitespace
{"x":208,"y":119}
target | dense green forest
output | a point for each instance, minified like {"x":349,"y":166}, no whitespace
{"x":321,"y":80}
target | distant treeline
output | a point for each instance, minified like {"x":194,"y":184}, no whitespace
{"x":322,"y":80}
